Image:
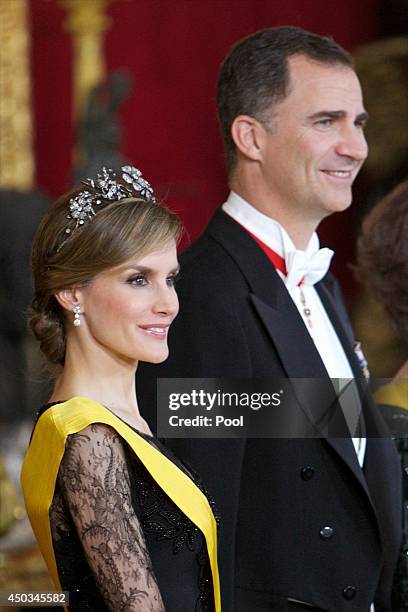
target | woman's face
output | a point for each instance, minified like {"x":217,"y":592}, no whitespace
{"x":128,"y":309}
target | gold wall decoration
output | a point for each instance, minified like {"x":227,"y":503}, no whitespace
{"x":16,"y":155}
{"x":87,"y":23}
{"x":382,"y":67}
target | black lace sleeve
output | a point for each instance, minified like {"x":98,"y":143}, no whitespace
{"x":94,"y":480}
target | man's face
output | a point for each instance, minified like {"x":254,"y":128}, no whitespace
{"x":314,"y":145}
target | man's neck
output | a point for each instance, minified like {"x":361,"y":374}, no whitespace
{"x":299,"y":227}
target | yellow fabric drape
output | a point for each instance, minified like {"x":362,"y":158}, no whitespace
{"x":394,"y":393}
{"x":41,"y":464}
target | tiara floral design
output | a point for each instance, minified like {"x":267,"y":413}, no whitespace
{"x":104,"y":190}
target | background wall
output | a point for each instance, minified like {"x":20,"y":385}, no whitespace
{"x":173,"y":50}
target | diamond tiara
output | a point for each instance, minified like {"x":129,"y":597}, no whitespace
{"x":105,"y":189}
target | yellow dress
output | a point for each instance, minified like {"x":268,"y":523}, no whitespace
{"x":394,"y":393}
{"x":45,"y":453}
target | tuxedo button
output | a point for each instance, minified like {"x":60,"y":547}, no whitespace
{"x":349,"y":592}
{"x":307,"y":472}
{"x":326,"y":533}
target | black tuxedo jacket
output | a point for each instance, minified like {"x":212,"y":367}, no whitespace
{"x":276,"y":496}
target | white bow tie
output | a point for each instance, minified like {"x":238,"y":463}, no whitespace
{"x":309,"y":269}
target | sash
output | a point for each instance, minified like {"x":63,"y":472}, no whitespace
{"x":394,"y":393}
{"x":44,"y":455}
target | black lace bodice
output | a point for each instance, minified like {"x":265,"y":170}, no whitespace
{"x":120,"y":542}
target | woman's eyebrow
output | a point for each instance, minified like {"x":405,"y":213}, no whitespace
{"x":147,"y":270}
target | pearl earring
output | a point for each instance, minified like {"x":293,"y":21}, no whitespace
{"x":77,"y":319}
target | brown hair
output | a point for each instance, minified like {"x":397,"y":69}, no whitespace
{"x":383,"y":256}
{"x":255,"y":74}
{"x":123,"y":229}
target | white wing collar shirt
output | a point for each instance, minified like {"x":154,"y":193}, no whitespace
{"x":303,"y":270}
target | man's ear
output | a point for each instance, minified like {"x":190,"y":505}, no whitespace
{"x":246,"y":132}
{"x":68,"y":298}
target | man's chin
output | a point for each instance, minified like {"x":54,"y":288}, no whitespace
{"x":339,"y":203}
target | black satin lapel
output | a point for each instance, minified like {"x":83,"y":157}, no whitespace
{"x":374,"y":423}
{"x":295,"y":348}
{"x":344,"y":334}
{"x":316,"y":396}
{"x":345,"y":448}
{"x":302,"y":364}
{"x":284,"y":325}
{"x":271,"y":299}
{"x":374,"y":477}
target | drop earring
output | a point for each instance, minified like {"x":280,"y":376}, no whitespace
{"x":77,"y":319}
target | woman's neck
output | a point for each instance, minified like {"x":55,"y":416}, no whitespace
{"x":104,"y":378}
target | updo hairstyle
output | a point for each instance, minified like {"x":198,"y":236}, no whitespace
{"x":123,"y":229}
{"x":383,"y":256}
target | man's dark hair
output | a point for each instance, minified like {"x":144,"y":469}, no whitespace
{"x":255,"y":73}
